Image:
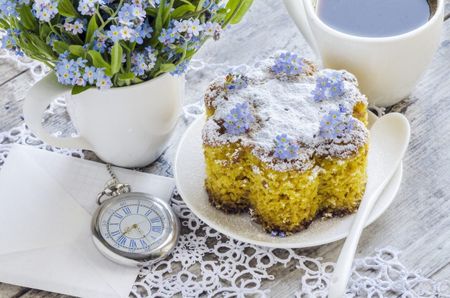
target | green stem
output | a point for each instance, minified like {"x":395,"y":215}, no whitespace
{"x":128,"y":61}
{"x":111,"y":17}
{"x":192,"y":14}
{"x":99,"y":16}
{"x":167,"y":14}
{"x":55,"y":31}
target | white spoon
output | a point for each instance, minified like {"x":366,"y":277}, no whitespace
{"x":392,"y":133}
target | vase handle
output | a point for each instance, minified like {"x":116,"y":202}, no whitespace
{"x":39,"y":97}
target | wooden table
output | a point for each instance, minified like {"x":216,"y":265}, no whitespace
{"x":417,"y":223}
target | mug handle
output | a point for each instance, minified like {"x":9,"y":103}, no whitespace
{"x":37,"y":101}
{"x":297,"y":11}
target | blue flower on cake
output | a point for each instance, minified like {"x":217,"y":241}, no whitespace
{"x":285,"y":148}
{"x":336,"y":124}
{"x":239,"y":119}
{"x":328,"y":85}
{"x":235,"y":82}
{"x":288,"y":64}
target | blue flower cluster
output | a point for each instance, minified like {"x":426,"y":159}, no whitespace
{"x":180,"y":32}
{"x":77,"y":73}
{"x":278,"y":233}
{"x":289,"y":64}
{"x":130,"y":33}
{"x":239,"y":119}
{"x":9,"y":42}
{"x":88,"y":7}
{"x":188,"y":34}
{"x":285,"y":148}
{"x":45,"y":10}
{"x":329,"y":85}
{"x":143,"y":61}
{"x":336,"y":124}
{"x":124,"y":42}
{"x":181,"y":68}
{"x":235,"y":82}
{"x":8,"y":7}
{"x":74,"y":27}
{"x":212,"y":6}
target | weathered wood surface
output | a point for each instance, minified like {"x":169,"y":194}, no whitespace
{"x":417,"y":223}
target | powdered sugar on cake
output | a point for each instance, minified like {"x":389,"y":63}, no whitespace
{"x":284,"y":105}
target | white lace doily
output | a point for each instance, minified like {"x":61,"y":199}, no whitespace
{"x":207,"y":263}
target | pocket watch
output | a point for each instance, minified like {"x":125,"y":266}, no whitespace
{"x":133,"y":228}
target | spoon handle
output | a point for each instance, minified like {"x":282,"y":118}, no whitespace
{"x":393,"y":147}
{"x":343,"y":267}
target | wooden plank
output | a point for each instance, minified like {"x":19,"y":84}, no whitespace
{"x":11,"y":100}
{"x":42,"y":294}
{"x":9,"y":69}
{"x":7,"y":290}
{"x":430,"y":263}
{"x":443,"y":275}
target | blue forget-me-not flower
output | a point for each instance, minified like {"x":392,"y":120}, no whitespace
{"x":239,"y":119}
{"x":285,"y":147}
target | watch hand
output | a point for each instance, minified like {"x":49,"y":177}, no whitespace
{"x":128,"y":229}
{"x":142,"y":233}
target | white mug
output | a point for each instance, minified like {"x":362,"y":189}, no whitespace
{"x":127,"y":126}
{"x":387,"y":68}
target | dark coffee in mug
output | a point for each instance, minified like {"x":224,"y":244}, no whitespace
{"x":375,"y":18}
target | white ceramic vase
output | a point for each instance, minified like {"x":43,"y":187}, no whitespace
{"x":127,"y":126}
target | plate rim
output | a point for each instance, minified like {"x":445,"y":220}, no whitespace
{"x":375,"y":214}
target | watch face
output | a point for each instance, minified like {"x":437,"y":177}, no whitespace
{"x":133,"y":224}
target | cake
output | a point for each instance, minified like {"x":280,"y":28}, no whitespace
{"x":286,"y":142}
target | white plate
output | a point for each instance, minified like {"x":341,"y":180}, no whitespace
{"x":190,"y":176}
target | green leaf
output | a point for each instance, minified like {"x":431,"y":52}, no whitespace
{"x":151,"y":12}
{"x":60,"y":46}
{"x":169,"y":67}
{"x":44,"y":32}
{"x":77,"y":50}
{"x":237,"y":10}
{"x":99,"y":62}
{"x":126,"y":79}
{"x":127,"y":76}
{"x":182,"y":10}
{"x":4,"y":24}
{"x":167,"y":9}
{"x":26,"y":17}
{"x":159,"y":19}
{"x":200,"y":5}
{"x":116,"y":58}
{"x":41,"y":46}
{"x":92,"y":27}
{"x":65,"y":8}
{"x":185,"y":1}
{"x":78,"y":89}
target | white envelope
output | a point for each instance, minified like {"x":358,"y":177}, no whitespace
{"x":46,"y":202}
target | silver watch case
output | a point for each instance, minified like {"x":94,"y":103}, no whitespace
{"x":170,"y":235}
